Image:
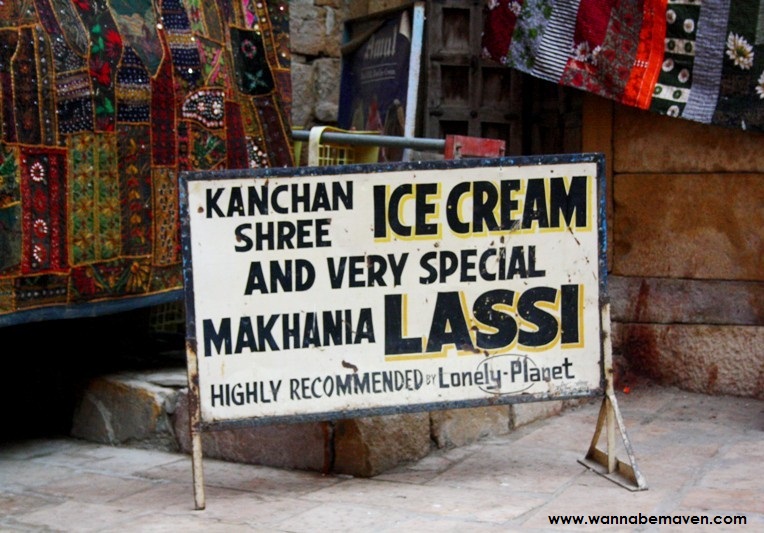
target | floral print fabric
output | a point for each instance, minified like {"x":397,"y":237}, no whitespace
{"x":701,"y":60}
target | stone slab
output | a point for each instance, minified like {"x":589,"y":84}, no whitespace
{"x":302,"y":446}
{"x":689,"y":226}
{"x":459,"y":427}
{"x":150,"y":410}
{"x":307,"y":25}
{"x":368,"y":446}
{"x":699,"y":358}
{"x":525,"y":413}
{"x":686,"y":301}
{"x":126,"y":408}
{"x":646,"y":142}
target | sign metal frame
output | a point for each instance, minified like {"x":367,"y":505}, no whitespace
{"x":196,"y":210}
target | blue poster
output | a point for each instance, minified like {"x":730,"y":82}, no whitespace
{"x":375,"y":79}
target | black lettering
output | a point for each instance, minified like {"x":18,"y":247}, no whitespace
{"x":212,"y":203}
{"x":265,"y":237}
{"x":265,"y":334}
{"x":508,"y":204}
{"x":221,"y":339}
{"x":468,"y":265}
{"x":258,"y":203}
{"x":336,"y":273}
{"x":286,"y":234}
{"x":218,"y":396}
{"x":423,"y":190}
{"x":394,"y":210}
{"x":568,"y":202}
{"x":395,"y":343}
{"x":236,"y":203}
{"x":277,"y":207}
{"x":448,"y":264}
{"x":301,"y":202}
{"x":364,"y":330}
{"x":256,"y":279}
{"x":246,"y":337}
{"x":356,"y":271}
{"x":342,"y":195}
{"x":290,"y":333}
{"x":517,"y":263}
{"x":483,"y":269}
{"x":396,"y":267}
{"x":452,"y":209}
{"x":424,"y":262}
{"x":532,"y":272}
{"x":311,"y":335}
{"x":322,"y":233}
{"x":484,"y":201}
{"x":569,"y":319}
{"x":377,"y":268}
{"x":485,"y":311}
{"x":449,"y":325}
{"x":244,"y":243}
{"x":332,"y":327}
{"x":535,"y":208}
{"x":281,"y":276}
{"x":545,"y":323}
{"x":380,"y":209}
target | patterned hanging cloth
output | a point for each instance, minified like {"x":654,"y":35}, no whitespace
{"x":701,"y":60}
{"x":102,"y":104}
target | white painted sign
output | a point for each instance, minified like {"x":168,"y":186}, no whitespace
{"x":444,"y":284}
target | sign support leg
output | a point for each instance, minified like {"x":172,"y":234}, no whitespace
{"x":195,"y":427}
{"x":607,"y":463}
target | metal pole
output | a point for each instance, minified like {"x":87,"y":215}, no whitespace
{"x":195,"y":425}
{"x":388,"y":141}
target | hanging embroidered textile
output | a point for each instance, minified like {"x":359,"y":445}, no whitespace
{"x":102,"y":104}
{"x":702,"y":60}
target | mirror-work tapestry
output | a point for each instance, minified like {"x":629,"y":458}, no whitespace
{"x":102,"y":104}
{"x":699,"y":60}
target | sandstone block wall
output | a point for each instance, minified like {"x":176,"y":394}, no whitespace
{"x":686,"y":208}
{"x":315,"y":33}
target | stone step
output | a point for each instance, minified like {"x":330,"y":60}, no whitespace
{"x":149,"y":409}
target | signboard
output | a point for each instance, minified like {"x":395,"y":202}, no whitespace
{"x":331,"y":292}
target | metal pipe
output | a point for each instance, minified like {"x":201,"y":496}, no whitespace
{"x":388,"y":141}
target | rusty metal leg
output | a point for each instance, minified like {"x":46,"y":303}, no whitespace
{"x":195,"y":426}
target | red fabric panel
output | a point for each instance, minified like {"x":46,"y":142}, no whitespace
{"x":163,"y":139}
{"x":592,"y":21}
{"x":236,"y":147}
{"x":647,"y":66}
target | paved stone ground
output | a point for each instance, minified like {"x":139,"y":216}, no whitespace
{"x":702,"y":457}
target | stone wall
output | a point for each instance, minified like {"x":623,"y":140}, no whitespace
{"x":687,"y":250}
{"x":315,"y":32}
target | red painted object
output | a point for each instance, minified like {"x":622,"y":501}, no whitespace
{"x":461,"y":146}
